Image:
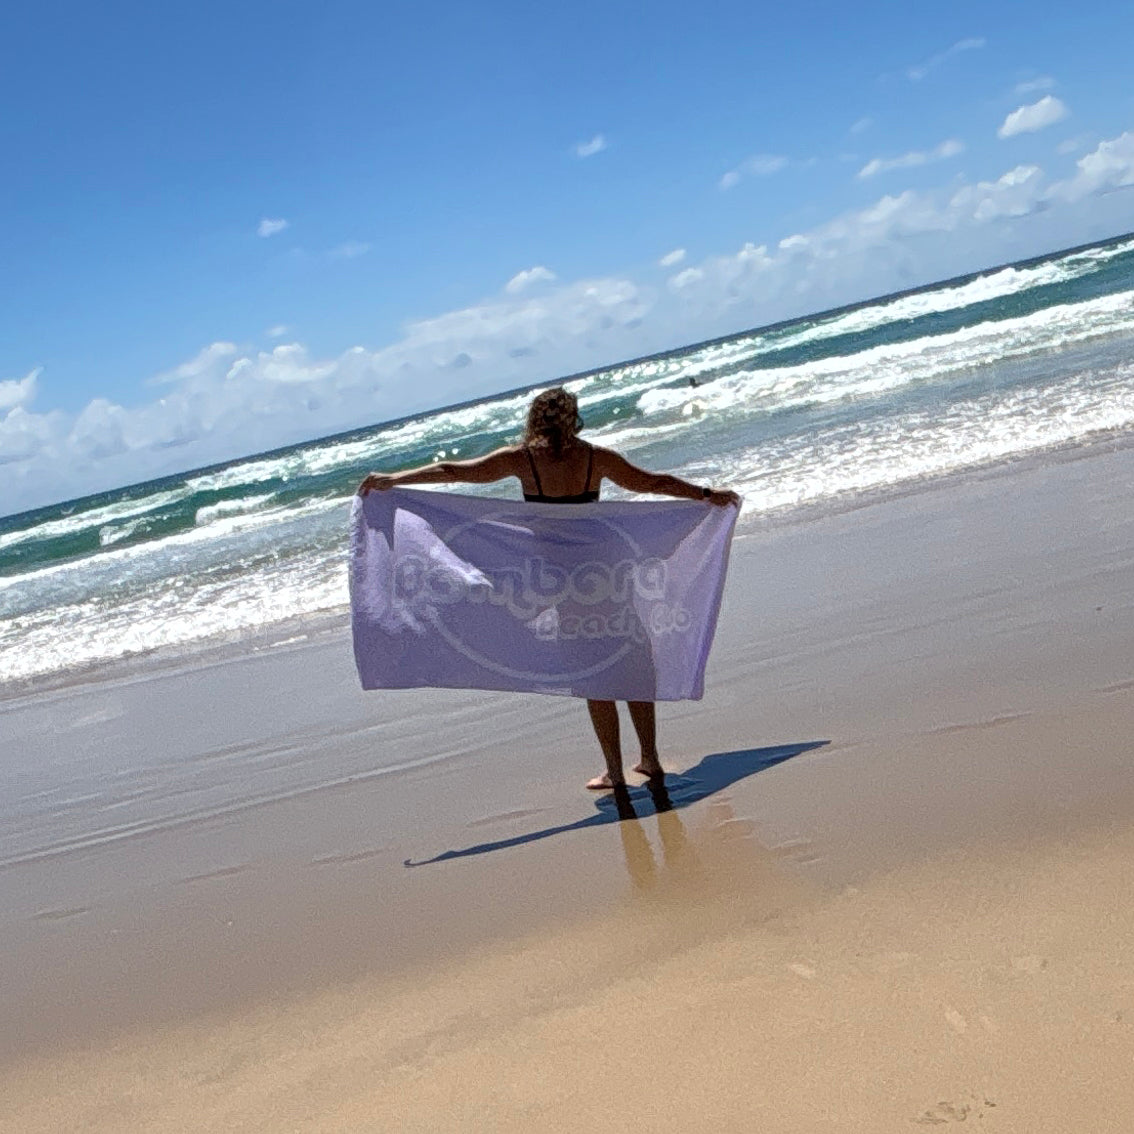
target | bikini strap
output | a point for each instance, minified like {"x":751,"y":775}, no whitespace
{"x":535,"y":471}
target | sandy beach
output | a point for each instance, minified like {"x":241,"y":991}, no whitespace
{"x":889,"y":887}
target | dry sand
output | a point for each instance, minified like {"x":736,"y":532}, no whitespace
{"x":924,"y":922}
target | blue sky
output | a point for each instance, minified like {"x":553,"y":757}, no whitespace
{"x":229,"y":227}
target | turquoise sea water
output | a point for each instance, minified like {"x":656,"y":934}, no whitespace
{"x":823,"y":412}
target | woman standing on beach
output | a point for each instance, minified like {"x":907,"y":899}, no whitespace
{"x":555,"y":467}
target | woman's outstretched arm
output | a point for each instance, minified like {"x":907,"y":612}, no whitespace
{"x":617,"y":468}
{"x":479,"y":470}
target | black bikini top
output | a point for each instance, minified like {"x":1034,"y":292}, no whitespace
{"x":585,"y":497}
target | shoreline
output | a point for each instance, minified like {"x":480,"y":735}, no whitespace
{"x":310,"y":628}
{"x":965,"y":654}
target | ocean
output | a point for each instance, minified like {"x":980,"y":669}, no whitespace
{"x":822,"y":413}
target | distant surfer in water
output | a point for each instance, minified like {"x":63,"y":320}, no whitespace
{"x":554,"y":466}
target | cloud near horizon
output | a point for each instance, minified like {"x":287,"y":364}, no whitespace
{"x":231,"y":400}
{"x":521,"y":281}
{"x":18,"y":391}
{"x":1108,"y":167}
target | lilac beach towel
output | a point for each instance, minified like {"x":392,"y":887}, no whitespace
{"x":615,"y":600}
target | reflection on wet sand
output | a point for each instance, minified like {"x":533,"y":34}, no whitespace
{"x":641,"y":864}
{"x":716,"y":858}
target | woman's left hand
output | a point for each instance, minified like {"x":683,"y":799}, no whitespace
{"x":380,"y":481}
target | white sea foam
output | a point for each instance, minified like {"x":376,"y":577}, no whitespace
{"x":210,"y":513}
{"x":884,"y":368}
{"x":178,"y":612}
{"x":1100,"y":255}
{"x":93,"y":518}
{"x":223,"y":541}
{"x":115,"y":533}
{"x":311,"y":460}
{"x":892,"y":452}
{"x":982,"y":289}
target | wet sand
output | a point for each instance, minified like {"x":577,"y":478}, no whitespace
{"x":919,"y":921}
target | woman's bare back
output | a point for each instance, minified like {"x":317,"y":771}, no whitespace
{"x":570,"y":474}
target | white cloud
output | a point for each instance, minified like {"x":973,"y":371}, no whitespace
{"x":686,"y":277}
{"x":269,"y":227}
{"x":919,"y":70}
{"x":27,"y":446}
{"x":350,"y":250}
{"x":521,"y":281}
{"x":100,"y":431}
{"x":16,"y":392}
{"x":861,"y":125}
{"x":1108,"y":167}
{"x":1031,"y":86}
{"x":203,"y":362}
{"x":588,"y":149}
{"x":1036,"y":116}
{"x":759,"y":165}
{"x":277,"y":332}
{"x":1017,"y":193}
{"x":287,"y":364}
{"x":947,"y":149}
{"x":672,"y":258}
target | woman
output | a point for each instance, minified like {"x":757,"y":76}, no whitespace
{"x":555,"y":467}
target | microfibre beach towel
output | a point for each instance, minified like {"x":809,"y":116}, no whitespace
{"x":616,"y":600}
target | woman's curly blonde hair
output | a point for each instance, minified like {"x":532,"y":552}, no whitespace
{"x":553,"y":419}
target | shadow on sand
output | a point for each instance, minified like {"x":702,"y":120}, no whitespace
{"x":713,"y":774}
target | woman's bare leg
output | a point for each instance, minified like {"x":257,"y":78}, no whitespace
{"x":644,"y":716}
{"x":604,"y":716}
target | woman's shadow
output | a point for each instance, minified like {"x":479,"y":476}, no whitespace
{"x":713,"y":774}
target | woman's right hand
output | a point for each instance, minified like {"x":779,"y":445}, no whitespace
{"x":380,"y":481}
{"x":721,"y":497}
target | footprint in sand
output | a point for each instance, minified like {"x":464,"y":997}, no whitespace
{"x":941,"y":1113}
{"x":956,"y":1021}
{"x":945,"y":1112}
{"x":1030,"y":964}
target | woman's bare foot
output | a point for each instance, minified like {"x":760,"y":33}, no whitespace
{"x":604,"y":783}
{"x":650,"y":767}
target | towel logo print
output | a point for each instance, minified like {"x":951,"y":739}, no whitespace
{"x":623,"y":603}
